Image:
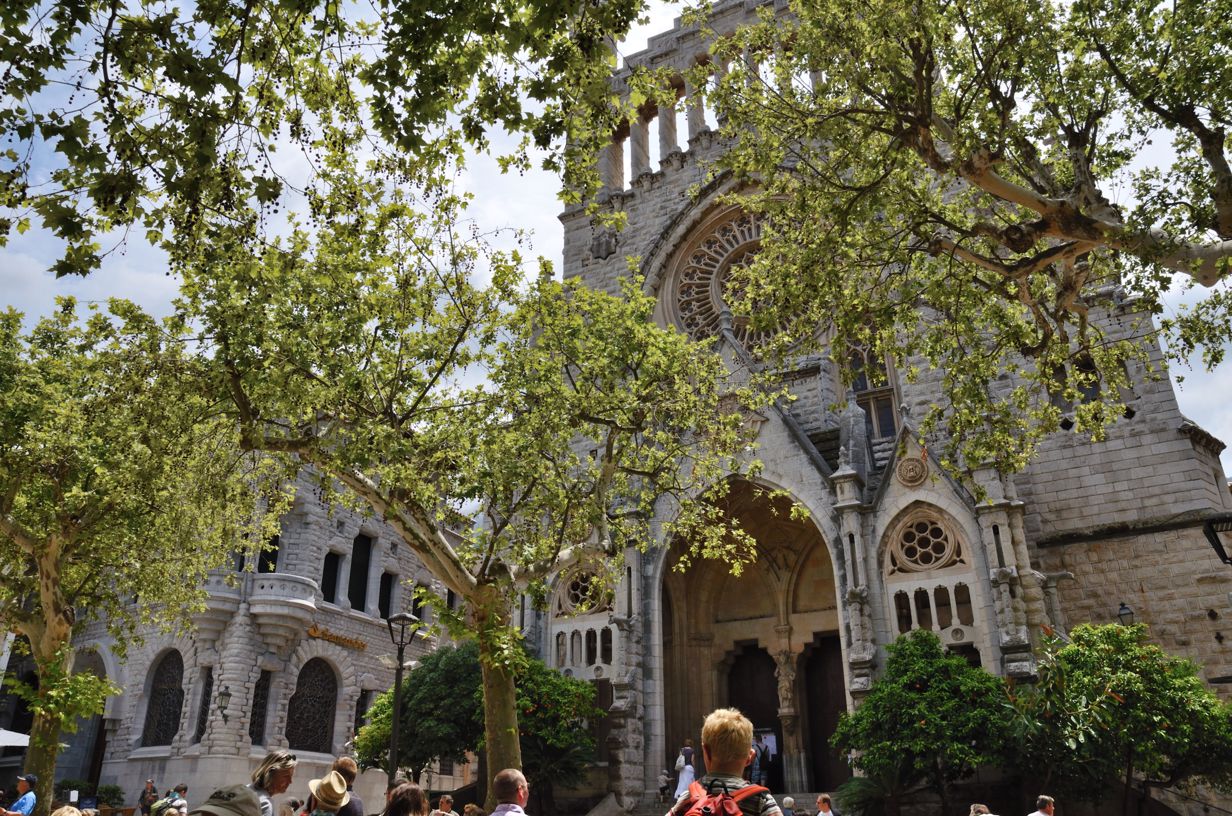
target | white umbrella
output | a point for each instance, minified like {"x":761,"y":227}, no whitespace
{"x":9,"y":738}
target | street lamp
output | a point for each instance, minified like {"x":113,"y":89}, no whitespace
{"x":402,"y":628}
{"x":224,"y":699}
{"x":1125,"y":615}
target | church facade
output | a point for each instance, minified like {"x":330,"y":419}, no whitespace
{"x":891,"y":542}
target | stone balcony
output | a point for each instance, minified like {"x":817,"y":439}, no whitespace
{"x":283,"y":606}
{"x":224,"y":592}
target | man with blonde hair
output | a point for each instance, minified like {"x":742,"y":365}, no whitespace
{"x":727,"y":749}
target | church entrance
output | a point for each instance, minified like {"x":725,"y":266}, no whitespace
{"x":752,"y":642}
{"x":751,"y":687}
{"x":825,"y":701}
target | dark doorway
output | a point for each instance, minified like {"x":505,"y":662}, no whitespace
{"x":751,"y":687}
{"x":826,"y":700}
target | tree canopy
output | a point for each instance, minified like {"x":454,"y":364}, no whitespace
{"x":166,"y":120}
{"x":381,"y":343}
{"x":1004,"y":193}
{"x":121,"y":486}
{"x":1110,"y":707}
{"x":931,"y":718}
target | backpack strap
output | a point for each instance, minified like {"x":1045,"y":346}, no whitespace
{"x":746,"y":792}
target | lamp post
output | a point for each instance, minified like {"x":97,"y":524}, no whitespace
{"x":402,"y":628}
{"x":1125,"y":615}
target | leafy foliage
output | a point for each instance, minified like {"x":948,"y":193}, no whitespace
{"x":382,"y":343}
{"x":956,"y":195}
{"x":442,"y":717}
{"x":1108,"y":705}
{"x":108,"y":448}
{"x":172,"y":119}
{"x":442,"y":713}
{"x":929,"y":718}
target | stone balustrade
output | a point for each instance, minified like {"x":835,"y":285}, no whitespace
{"x":283,"y":606}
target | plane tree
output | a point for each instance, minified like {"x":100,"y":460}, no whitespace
{"x":383,"y":346}
{"x":121,"y":485}
{"x":1003,"y":193}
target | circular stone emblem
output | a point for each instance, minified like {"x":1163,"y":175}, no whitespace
{"x":912,"y":472}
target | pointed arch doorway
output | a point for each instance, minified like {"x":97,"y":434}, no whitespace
{"x":741,"y":640}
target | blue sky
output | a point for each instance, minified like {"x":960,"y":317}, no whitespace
{"x":137,"y":272}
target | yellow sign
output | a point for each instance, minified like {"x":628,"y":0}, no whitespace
{"x":333,"y":637}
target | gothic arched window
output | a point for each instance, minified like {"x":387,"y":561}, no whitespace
{"x":162,"y":714}
{"x":310,"y":714}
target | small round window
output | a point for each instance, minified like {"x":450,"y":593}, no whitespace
{"x":923,"y":543}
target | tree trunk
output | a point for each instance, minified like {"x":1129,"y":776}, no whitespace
{"x":41,"y":758}
{"x":1129,"y":780}
{"x":500,"y":704}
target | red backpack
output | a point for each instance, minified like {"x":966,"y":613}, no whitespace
{"x":701,"y":803}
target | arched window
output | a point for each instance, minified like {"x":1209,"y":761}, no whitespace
{"x":162,"y":714}
{"x":310,"y":714}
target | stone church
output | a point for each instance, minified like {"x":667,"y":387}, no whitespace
{"x":891,"y":543}
{"x":290,"y":654}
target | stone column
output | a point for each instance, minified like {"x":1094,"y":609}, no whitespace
{"x":795,"y":764}
{"x":861,"y":639}
{"x":639,"y":147}
{"x":695,"y":113}
{"x":667,"y":133}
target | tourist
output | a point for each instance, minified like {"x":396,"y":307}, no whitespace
{"x":789,"y":806}
{"x":348,"y":769}
{"x":761,"y":757}
{"x":665,"y":783}
{"x":233,"y":800}
{"x":66,"y":810}
{"x":824,"y":807}
{"x":1044,"y":806}
{"x":149,"y":795}
{"x":727,"y":749}
{"x":444,"y":806}
{"x":328,"y":794}
{"x":26,"y":799}
{"x":979,"y":810}
{"x":511,"y":792}
{"x":408,"y":799}
{"x":472,"y":809}
{"x":272,"y":777}
{"x":685,"y":769}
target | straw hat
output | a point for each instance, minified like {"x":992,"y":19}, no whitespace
{"x":330,"y":792}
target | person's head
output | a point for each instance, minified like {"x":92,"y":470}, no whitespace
{"x":233,"y":800}
{"x":445,"y":803}
{"x":181,"y":789}
{"x":688,"y":743}
{"x":788,"y":802}
{"x":823,"y":803}
{"x":275,"y":772}
{"x":348,"y":768}
{"x":330,"y":791}
{"x":1045,"y":804}
{"x":408,"y":799}
{"x":26,"y":783}
{"x":727,"y":741}
{"x":977,"y":809}
{"x":472,"y":809}
{"x":510,"y":788}
{"x":67,"y":810}
{"x":149,"y":784}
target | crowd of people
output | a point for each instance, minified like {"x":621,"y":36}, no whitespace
{"x":735,"y":761}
